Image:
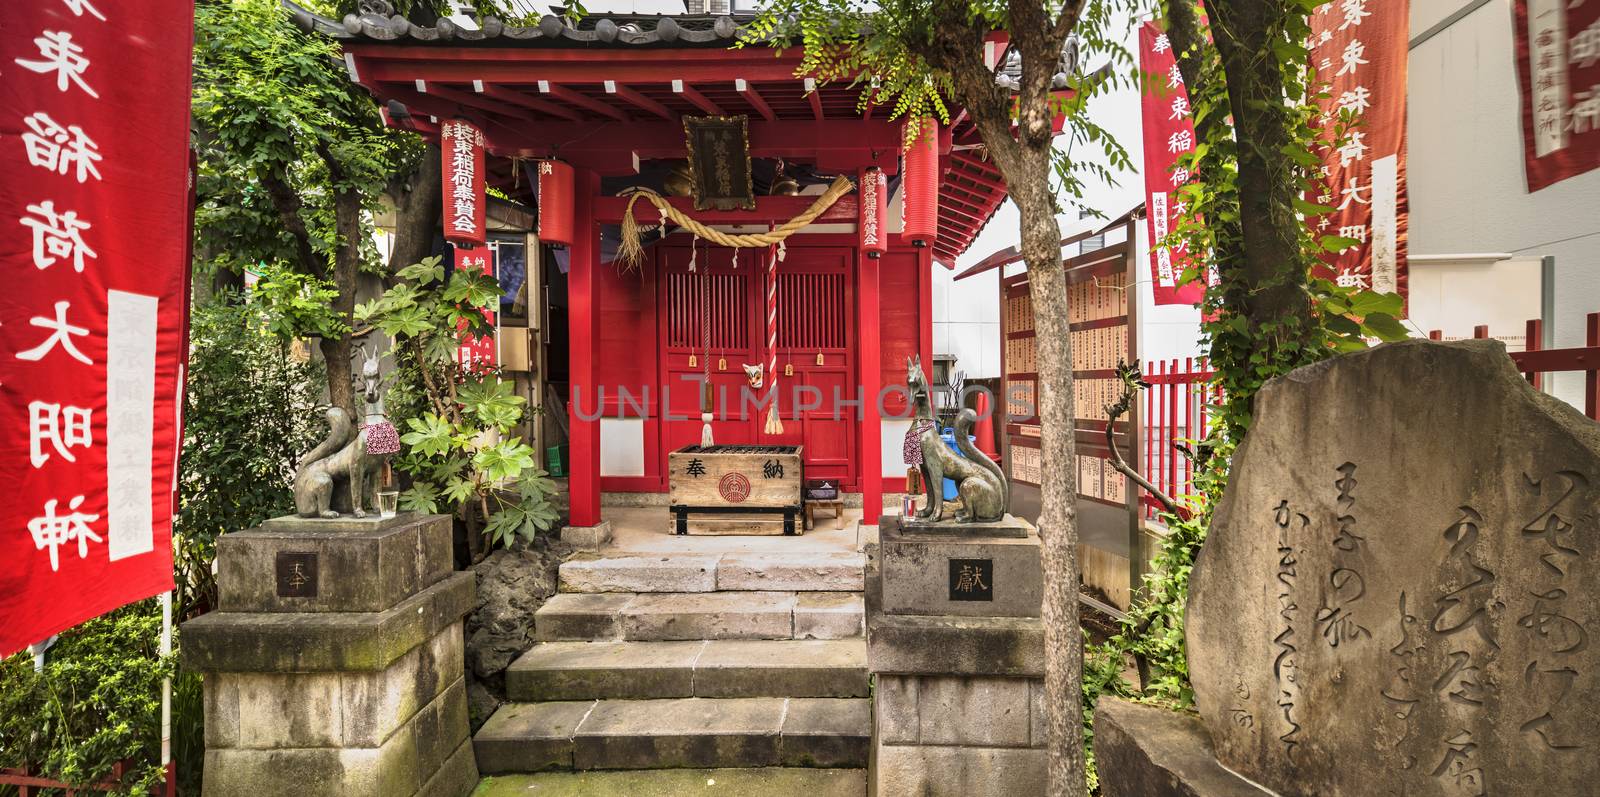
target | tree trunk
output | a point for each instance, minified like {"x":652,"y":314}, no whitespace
{"x":346,"y":265}
{"x":1256,"y":235}
{"x":1058,"y":510}
{"x":1022,"y":148}
{"x":418,"y":204}
{"x":1267,"y":186}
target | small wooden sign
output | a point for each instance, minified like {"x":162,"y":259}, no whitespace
{"x":719,"y":162}
{"x":972,"y":579}
{"x":297,"y":574}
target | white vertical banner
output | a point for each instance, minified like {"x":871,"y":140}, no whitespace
{"x":130,"y":420}
{"x":1385,"y":223}
{"x":1547,"y":34}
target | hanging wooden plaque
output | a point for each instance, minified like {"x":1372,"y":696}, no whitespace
{"x":719,"y":162}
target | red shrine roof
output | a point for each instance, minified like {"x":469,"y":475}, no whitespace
{"x":608,"y":93}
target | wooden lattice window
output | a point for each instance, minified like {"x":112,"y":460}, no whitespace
{"x":729,"y":318}
{"x":811,"y":311}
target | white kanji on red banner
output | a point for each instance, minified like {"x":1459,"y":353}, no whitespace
{"x":94,"y":229}
{"x":1168,"y":135}
{"x":1360,"y":49}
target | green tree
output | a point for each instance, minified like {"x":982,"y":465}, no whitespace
{"x":1258,"y":143}
{"x":294,"y":161}
{"x":917,"y":57}
{"x":248,"y":416}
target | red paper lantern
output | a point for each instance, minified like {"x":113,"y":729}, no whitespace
{"x":555,"y":202}
{"x":461,"y":147}
{"x":920,"y":197}
{"x":874,"y":209}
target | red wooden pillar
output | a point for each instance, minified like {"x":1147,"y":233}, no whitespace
{"x":870,"y":359}
{"x":583,"y":331}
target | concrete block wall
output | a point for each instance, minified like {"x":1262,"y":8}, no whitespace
{"x":326,"y":697}
{"x":971,"y":734}
{"x":958,"y":700}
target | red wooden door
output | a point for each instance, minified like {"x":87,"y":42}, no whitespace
{"x":816,"y":301}
{"x":713,"y":308}
{"x":816,"y":338}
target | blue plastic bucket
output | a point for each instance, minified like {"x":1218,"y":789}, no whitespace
{"x":949,"y":438}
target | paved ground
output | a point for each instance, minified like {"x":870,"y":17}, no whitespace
{"x":644,"y":530}
{"x":770,"y":782}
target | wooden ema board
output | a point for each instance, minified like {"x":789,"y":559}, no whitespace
{"x":735,"y":489}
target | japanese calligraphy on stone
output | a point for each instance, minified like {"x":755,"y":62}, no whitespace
{"x":1394,"y":599}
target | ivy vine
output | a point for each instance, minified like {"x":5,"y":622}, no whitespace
{"x":1247,"y":348}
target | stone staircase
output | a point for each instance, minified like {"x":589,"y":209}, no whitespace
{"x":678,"y":661}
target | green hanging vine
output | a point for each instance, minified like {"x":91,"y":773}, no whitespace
{"x":1260,"y":322}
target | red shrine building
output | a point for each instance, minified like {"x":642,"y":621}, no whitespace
{"x":602,"y":105}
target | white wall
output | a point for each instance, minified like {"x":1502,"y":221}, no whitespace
{"x":966,"y":320}
{"x":1468,"y":190}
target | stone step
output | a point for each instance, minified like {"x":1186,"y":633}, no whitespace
{"x":711,"y":668}
{"x":759,"y":572}
{"x":763,"y":782}
{"x":682,"y":733}
{"x":665,"y":616}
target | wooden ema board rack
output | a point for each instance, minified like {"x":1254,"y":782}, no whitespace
{"x":735,"y":489}
{"x":1098,"y":289}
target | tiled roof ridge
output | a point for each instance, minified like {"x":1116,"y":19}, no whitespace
{"x":377,"y":22}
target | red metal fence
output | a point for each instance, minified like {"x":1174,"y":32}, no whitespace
{"x":1180,"y":391}
{"x":29,"y":785}
{"x":1175,"y":412}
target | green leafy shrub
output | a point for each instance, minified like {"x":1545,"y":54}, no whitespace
{"x":297,"y":305}
{"x":249,"y":412}
{"x":97,"y":702}
{"x":1102,"y":676}
{"x":456,"y":421}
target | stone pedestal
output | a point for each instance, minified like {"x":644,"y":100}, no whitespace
{"x":1148,"y":751}
{"x":955,"y":641}
{"x":334,"y":663}
{"x":587,"y":538}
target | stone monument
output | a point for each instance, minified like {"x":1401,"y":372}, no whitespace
{"x":333,"y":664}
{"x":1398,"y":593}
{"x":955,"y":643}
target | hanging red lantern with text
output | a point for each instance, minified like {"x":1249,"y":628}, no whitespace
{"x":461,"y":147}
{"x":555,"y":203}
{"x":874,"y":207}
{"x":920,"y":192}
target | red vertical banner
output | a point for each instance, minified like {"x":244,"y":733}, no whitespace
{"x":93,"y":239}
{"x":1168,"y":135}
{"x":1558,"y":70}
{"x":1358,"y":48}
{"x":461,"y":147}
{"x":475,"y":353}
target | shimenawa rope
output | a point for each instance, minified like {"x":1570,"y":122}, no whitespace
{"x":631,"y":250}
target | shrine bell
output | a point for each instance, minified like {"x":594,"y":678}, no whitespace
{"x":874,"y":208}
{"x":921,"y":185}
{"x":556,"y":196}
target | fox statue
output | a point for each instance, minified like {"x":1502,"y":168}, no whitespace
{"x":979,"y":482}
{"x":344,"y":471}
